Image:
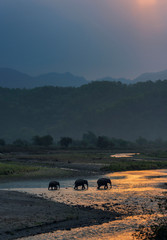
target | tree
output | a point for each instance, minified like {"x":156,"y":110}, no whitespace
{"x":47,"y":140}
{"x":36,"y":140}
{"x":42,"y":141}
{"x":122,"y":143}
{"x":65,"y":141}
{"x":103,"y":142}
{"x":89,"y":139}
{"x":2,"y":142}
{"x":20,"y":142}
{"x":141,"y":141}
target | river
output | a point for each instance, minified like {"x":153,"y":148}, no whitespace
{"x":133,"y":195}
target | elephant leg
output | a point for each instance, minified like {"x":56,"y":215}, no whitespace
{"x":105,"y":186}
{"x":83,"y":187}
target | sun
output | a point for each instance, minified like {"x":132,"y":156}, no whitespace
{"x":146,"y":3}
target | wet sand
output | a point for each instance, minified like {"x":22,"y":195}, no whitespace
{"x":23,"y":214}
{"x":94,"y":214}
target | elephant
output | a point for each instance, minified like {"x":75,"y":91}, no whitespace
{"x":53,"y":185}
{"x":80,"y":182}
{"x":103,"y":182}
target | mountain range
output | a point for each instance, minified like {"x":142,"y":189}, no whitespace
{"x":10,"y":78}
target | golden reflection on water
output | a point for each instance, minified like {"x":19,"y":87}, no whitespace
{"x":133,"y":195}
{"x":123,"y":155}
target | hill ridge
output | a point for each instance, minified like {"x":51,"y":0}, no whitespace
{"x":106,"y":108}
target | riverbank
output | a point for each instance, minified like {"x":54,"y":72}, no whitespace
{"x":23,"y":215}
{"x":90,"y":214}
{"x":29,"y":208}
{"x":69,"y":163}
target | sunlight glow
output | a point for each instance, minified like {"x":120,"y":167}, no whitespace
{"x":147,"y":3}
{"x":149,"y":20}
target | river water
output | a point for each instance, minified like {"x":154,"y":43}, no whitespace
{"x":133,"y":195}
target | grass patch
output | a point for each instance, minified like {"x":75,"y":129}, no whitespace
{"x":156,"y":154}
{"x":45,"y":172}
{"x":21,"y":170}
{"x":128,"y":165}
{"x":15,"y":169}
{"x":64,"y":156}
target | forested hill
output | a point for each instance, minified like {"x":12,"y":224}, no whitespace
{"x":105,"y":108}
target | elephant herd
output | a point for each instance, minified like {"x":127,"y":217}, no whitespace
{"x":54,"y":185}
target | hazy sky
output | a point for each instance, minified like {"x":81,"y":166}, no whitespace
{"x":92,"y":38}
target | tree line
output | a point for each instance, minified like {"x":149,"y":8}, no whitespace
{"x":89,"y":140}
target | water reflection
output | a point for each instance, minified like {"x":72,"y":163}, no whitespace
{"x":123,"y":155}
{"x":43,"y":183}
{"x":134,"y":196}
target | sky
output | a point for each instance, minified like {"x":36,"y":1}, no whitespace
{"x":90,"y":38}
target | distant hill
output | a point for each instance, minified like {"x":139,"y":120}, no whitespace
{"x":60,"y":79}
{"x":10,"y":78}
{"x":110,"y":79}
{"x":106,"y":108}
{"x":154,"y":76}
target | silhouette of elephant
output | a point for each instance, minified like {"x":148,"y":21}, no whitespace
{"x":103,"y":182}
{"x":80,"y":182}
{"x":54,"y":185}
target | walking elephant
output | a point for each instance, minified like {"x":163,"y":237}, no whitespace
{"x":80,"y":182}
{"x":103,"y":182}
{"x":54,"y":185}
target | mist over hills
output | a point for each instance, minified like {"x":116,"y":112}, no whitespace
{"x":106,"y":108}
{"x":10,"y":78}
{"x":152,"y":76}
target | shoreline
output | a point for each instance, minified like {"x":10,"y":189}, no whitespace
{"x":15,"y":225}
{"x":25,"y":214}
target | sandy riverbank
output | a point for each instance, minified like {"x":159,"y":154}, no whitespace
{"x":133,"y":200}
{"x":23,"y":214}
